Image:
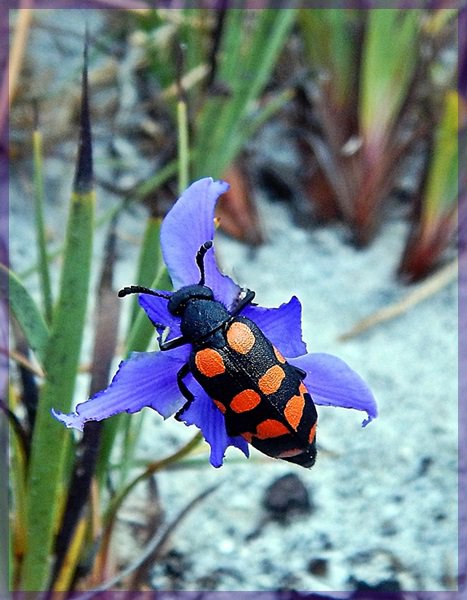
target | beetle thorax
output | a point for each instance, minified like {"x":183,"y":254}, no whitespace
{"x":201,"y":318}
{"x":201,"y":315}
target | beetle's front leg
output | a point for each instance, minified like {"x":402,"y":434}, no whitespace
{"x":182,"y":373}
{"x":173,"y":343}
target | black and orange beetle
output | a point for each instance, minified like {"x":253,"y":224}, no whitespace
{"x":263,"y":398}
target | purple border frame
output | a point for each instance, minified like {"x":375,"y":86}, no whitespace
{"x":461,"y":594}
{"x":4,"y":321}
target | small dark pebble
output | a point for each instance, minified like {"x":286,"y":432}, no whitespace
{"x":175,"y":565}
{"x":318,"y":567}
{"x":287,"y":497}
{"x":388,"y":528}
{"x":424,"y":466}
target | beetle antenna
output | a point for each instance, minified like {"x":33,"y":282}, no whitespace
{"x":139,"y":289}
{"x":200,"y":259}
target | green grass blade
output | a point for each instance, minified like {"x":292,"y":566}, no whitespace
{"x":142,"y":190}
{"x":182,"y":123}
{"x":183,"y":146}
{"x":61,"y":364}
{"x":331,"y":50}
{"x":389,"y":57}
{"x":442,"y":183}
{"x":150,"y":260}
{"x":44,"y":274}
{"x":26,"y":312}
{"x":151,"y":273}
{"x":51,"y":440}
{"x":437,"y":222}
{"x":158,"y":179}
{"x":249,"y":50}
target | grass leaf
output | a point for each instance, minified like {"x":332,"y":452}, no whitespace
{"x":44,"y":274}
{"x":26,"y":312}
{"x":331,"y":50}
{"x":250,"y":47}
{"x":50,"y":442}
{"x":389,"y":57}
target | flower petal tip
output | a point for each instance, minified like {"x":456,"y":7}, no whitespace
{"x":222,"y":186}
{"x":217,"y":460}
{"x":70,"y":420}
{"x":216,"y":463}
{"x":370,"y":416}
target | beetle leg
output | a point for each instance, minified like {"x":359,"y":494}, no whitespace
{"x":182,"y":373}
{"x":173,"y":343}
{"x":300,"y":372}
{"x":247,"y":299}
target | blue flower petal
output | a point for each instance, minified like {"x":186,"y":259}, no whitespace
{"x":156,"y":309}
{"x":203,"y":413}
{"x":331,"y":382}
{"x":282,"y":325}
{"x":186,"y":227}
{"x":145,"y":379}
{"x":150,"y":379}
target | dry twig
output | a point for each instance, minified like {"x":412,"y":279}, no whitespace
{"x":426,"y":289}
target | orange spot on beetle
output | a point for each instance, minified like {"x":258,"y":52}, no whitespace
{"x":293,"y":410}
{"x":219,"y":405}
{"x":240,"y":337}
{"x":271,"y":381}
{"x":270,"y":428}
{"x":246,"y":400}
{"x":312,"y":435}
{"x":247,"y":436}
{"x":209,"y":362}
{"x":279,"y":356}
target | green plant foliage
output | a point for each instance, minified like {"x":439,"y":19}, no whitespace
{"x":222,"y":89}
{"x":61,"y":360}
{"x":330,"y":38}
{"x":40,"y":229}
{"x":437,"y":220}
{"x":389,"y":57}
{"x":27,"y":313}
{"x":50,"y":444}
{"x":249,"y":49}
{"x":442,"y":184}
{"x":368,"y":98}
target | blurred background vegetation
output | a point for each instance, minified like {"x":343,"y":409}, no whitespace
{"x":368,"y":100}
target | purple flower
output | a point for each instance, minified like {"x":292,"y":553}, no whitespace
{"x":162,"y":380}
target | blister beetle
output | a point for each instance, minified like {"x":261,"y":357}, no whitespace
{"x":263,"y":397}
